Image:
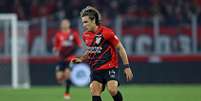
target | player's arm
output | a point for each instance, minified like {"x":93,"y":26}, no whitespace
{"x":114,"y":40}
{"x":84,"y":57}
{"x":124,"y":58}
{"x":79,"y":59}
{"x":122,"y":53}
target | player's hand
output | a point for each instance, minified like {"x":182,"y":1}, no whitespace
{"x":128,"y":73}
{"x":76,"y":60}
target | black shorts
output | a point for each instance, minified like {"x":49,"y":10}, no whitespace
{"x":62,"y":65}
{"x":103,"y":76}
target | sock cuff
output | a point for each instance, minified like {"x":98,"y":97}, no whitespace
{"x":118,"y":92}
{"x":96,"y":98}
{"x":118,"y":97}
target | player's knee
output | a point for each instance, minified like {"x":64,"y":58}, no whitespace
{"x":59,"y":75}
{"x":112,"y":90}
{"x":112,"y":87}
{"x":95,"y":90}
{"x":67,"y":74}
{"x":59,"y":78}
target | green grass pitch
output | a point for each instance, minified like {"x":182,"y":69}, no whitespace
{"x":130,"y":93}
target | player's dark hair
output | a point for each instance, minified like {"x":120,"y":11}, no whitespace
{"x":93,"y":13}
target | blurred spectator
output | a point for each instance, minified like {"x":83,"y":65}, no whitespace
{"x":19,"y":10}
{"x":34,"y":8}
{"x":7,"y":6}
{"x":173,"y":11}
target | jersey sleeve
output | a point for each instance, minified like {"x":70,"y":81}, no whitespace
{"x":112,"y":38}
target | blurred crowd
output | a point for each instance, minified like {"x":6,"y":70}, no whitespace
{"x":171,"y":10}
{"x":137,"y":13}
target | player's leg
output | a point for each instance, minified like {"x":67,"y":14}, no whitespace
{"x":59,"y":73}
{"x":67,"y":81}
{"x":62,"y":76}
{"x":96,"y":90}
{"x":67,"y":85}
{"x":59,"y":77}
{"x":97,"y":85}
{"x":113,"y":84}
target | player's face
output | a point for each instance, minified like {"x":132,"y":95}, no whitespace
{"x":88,"y":24}
{"x":65,"y":25}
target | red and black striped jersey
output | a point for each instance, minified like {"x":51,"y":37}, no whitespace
{"x":101,"y":48}
{"x":66,"y":43}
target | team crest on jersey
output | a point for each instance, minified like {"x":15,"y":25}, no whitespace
{"x":98,"y":40}
{"x":112,"y":73}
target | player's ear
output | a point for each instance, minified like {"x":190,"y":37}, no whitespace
{"x":93,"y":21}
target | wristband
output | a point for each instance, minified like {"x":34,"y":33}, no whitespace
{"x":126,"y":66}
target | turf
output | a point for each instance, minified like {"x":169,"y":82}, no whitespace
{"x":130,"y":93}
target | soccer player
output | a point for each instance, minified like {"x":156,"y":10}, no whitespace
{"x":66,"y":42}
{"x":102,"y":48}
